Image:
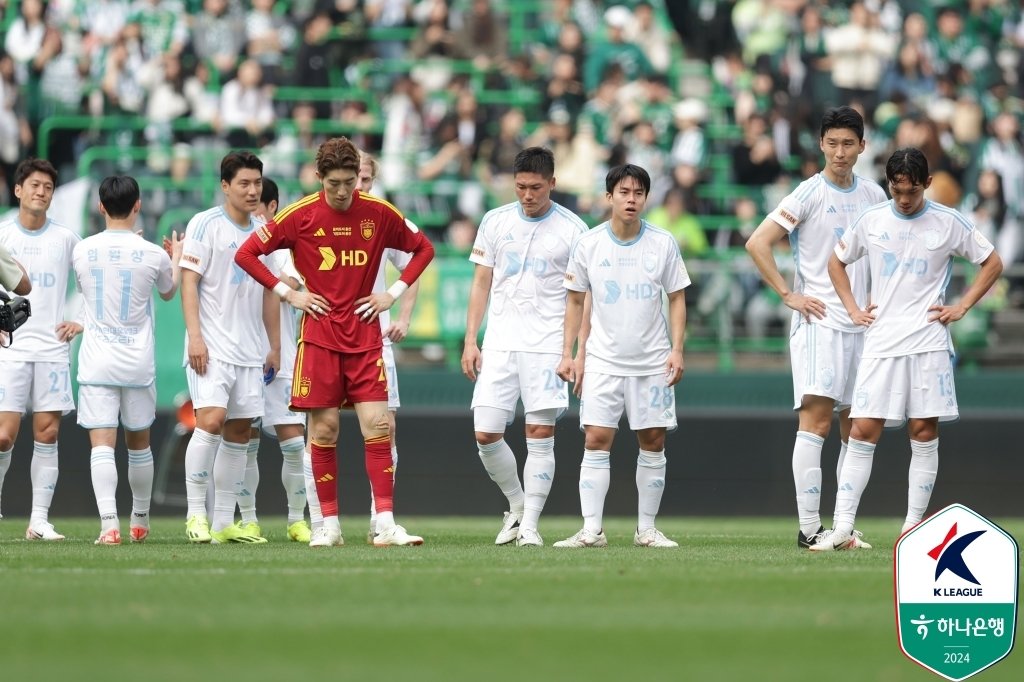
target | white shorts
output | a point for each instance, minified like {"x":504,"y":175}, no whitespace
{"x":276,"y":396}
{"x":918,"y":386}
{"x":824,"y":363}
{"x":507,"y":376}
{"x":36,"y":386}
{"x":647,"y":400}
{"x":234,"y":387}
{"x":100,"y":406}
{"x":392,"y":374}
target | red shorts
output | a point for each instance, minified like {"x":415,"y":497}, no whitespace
{"x":330,"y":378}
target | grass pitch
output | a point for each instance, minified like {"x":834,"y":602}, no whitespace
{"x":737,"y":601}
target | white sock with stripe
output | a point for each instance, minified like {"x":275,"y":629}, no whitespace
{"x":228,"y":472}
{"x":538,"y":474}
{"x":856,"y":472}
{"x":807,"y":479}
{"x":924,"y":467}
{"x":250,"y":482}
{"x":199,"y":458}
{"x":500,"y":464}
{"x":650,"y":486}
{"x":595,"y":477}
{"x":292,"y":478}
{"x":140,"y":479}
{"x":104,"y":485}
{"x":44,"y":480}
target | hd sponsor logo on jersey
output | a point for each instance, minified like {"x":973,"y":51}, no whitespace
{"x":342,"y":257}
{"x":957,"y":580}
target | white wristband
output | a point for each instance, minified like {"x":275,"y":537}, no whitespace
{"x":397,"y":289}
{"x":281,"y":289}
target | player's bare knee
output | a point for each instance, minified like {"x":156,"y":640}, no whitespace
{"x":484,"y":438}
{"x":539,"y":431}
{"x":46,"y":433}
{"x":6,"y":442}
{"x":923,"y":430}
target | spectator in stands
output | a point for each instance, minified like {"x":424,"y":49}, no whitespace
{"x":689,"y":146}
{"x":388,"y":14}
{"x":246,"y":108}
{"x":435,"y":38}
{"x":317,"y":51}
{"x":956,"y":46}
{"x":674,"y":216}
{"x":754,"y":158}
{"x":564,"y":89}
{"x":164,"y":27}
{"x":122,"y":90}
{"x":204,"y":103}
{"x":14,"y":130}
{"x":404,"y":133}
{"x":461,"y":234}
{"x":269,"y":37}
{"x":1002,"y":152}
{"x":167,"y":100}
{"x":101,"y":23}
{"x":908,"y":75}
{"x":499,"y":153}
{"x":218,"y":35}
{"x":615,"y":50}
{"x":705,"y":26}
{"x":860,"y":51}
{"x":651,"y":36}
{"x":761,"y":26}
{"x":813,"y":87}
{"x":987,"y":208}
{"x":32,"y":44}
{"x":483,"y":36}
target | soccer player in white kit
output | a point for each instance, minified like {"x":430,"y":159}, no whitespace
{"x":521,"y":252}
{"x":224,"y":359}
{"x":116,"y":271}
{"x":824,"y":343}
{"x":278,"y":421}
{"x":632,"y":359}
{"x":35,"y":370}
{"x":906,"y":372}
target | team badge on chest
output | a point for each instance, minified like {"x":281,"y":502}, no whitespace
{"x":366,"y":229}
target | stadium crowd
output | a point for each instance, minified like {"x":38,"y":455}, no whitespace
{"x":718,"y":99}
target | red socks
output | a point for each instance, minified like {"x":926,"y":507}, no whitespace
{"x":381,"y":472}
{"x":325,"y":472}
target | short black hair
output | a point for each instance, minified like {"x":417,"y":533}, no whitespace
{"x":270,"y":192}
{"x":539,"y":160}
{"x":627,"y":170}
{"x":118,"y":194}
{"x":842,"y":117}
{"x":33,"y":165}
{"x":909,"y":163}
{"x":235,"y":161}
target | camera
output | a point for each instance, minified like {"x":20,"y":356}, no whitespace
{"x":14,"y":312}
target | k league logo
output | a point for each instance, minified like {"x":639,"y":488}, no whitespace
{"x":956,"y":592}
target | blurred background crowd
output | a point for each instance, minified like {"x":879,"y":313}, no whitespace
{"x":719,"y":100}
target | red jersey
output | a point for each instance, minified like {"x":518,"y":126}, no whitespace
{"x":338,"y":254}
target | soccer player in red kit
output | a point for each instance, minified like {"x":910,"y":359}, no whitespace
{"x":337,"y":238}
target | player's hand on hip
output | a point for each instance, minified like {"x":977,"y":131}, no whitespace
{"x":312,"y":304}
{"x":68,"y":330}
{"x":369,"y":307}
{"x":472,"y":361}
{"x":946,"y":313}
{"x":864,"y":318}
{"x":805,"y":305}
{"x":198,"y":356}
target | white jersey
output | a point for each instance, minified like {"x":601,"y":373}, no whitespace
{"x":400,"y":259}
{"x":528,"y":257}
{"x":116,"y":271}
{"x":816,"y":214}
{"x":230,"y":302}
{"x":46,"y":256}
{"x":911,"y":260}
{"x":629,"y":335}
{"x":280,"y":263}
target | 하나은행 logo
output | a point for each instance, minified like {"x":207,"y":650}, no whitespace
{"x":956,"y":582}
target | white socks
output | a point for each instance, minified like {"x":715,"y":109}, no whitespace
{"x":228,"y":472}
{"x":292,"y":478}
{"x":44,"y":480}
{"x":5,"y":464}
{"x":250,"y":482}
{"x":199,"y":456}
{"x":807,"y":478}
{"x":104,"y":485}
{"x":140,"y":479}
{"x":924,"y":466}
{"x":595,"y":476}
{"x":538,"y":474}
{"x":856,"y":472}
{"x":316,"y":517}
{"x":650,"y":486}
{"x":500,"y":464}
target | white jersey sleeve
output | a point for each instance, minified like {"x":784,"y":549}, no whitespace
{"x":280,"y":263}
{"x":230,"y":301}
{"x":117,"y":271}
{"x":628,"y":282}
{"x":816,"y":214}
{"x":529,"y":257}
{"x":46,"y":256}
